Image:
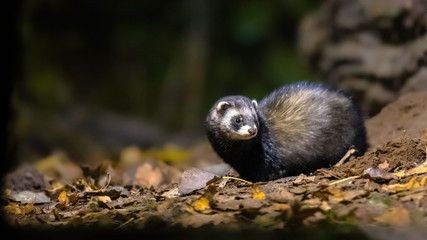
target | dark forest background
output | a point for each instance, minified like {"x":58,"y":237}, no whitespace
{"x":91,"y":77}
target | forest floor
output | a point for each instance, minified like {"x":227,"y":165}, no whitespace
{"x":377,"y":195}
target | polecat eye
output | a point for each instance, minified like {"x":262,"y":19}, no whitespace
{"x":238,"y":120}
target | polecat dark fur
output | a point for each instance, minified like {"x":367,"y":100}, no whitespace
{"x":296,"y":129}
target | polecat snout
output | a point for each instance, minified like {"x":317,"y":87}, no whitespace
{"x":296,"y":129}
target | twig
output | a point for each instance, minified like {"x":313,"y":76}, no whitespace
{"x":125,"y":223}
{"x":343,"y":180}
{"x":346,"y":156}
{"x":239,"y":179}
{"x":108,"y":181}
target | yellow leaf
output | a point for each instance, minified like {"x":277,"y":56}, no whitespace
{"x":63,"y":197}
{"x":398,"y":216}
{"x":170,"y":153}
{"x":201,"y":204}
{"x":13,"y":208}
{"x":258,"y":194}
{"x":423,"y":181}
{"x":104,"y":199}
{"x":16,"y":209}
{"x":28,"y":208}
{"x":422,"y":168}
{"x":412,"y":184}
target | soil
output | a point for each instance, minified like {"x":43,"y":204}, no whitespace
{"x":407,"y":117}
{"x":368,"y":197}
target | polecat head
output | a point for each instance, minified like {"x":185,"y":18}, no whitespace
{"x":233,"y":117}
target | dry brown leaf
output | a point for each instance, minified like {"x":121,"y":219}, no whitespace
{"x":281,"y":206}
{"x":193,"y":179}
{"x":383,"y":165}
{"x":378,"y":175}
{"x":343,"y":196}
{"x":302,"y":178}
{"x":282,"y":196}
{"x":312,"y":203}
{"x":196,"y":220}
{"x":147,"y":175}
{"x":397,"y":216}
{"x":325,"y":206}
{"x":130,"y":155}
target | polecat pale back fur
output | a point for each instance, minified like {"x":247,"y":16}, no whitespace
{"x":296,"y":129}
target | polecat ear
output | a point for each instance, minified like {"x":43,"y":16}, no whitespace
{"x":222,"y":106}
{"x":255,"y":103}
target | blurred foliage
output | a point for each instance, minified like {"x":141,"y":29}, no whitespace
{"x":120,"y":55}
{"x":159,"y":63}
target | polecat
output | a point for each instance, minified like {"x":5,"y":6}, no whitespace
{"x":296,"y":129}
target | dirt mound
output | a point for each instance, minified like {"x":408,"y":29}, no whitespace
{"x":398,"y":154}
{"x":407,"y":116}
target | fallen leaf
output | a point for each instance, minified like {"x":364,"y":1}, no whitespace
{"x":325,"y":206}
{"x":60,"y":165}
{"x":120,"y":202}
{"x":73,"y":198}
{"x":281,"y":206}
{"x":412,"y":184}
{"x":130,"y":155}
{"x":171,"y":193}
{"x":282,"y":196}
{"x":235,"y":205}
{"x":420,"y":169}
{"x":17,"y":209}
{"x":257,"y":194}
{"x":312,"y":203}
{"x":193,"y":179}
{"x":31,"y":197}
{"x":63,"y":197}
{"x":28,"y":208}
{"x":147,"y":175}
{"x":378,"y":175}
{"x":316,"y":217}
{"x":220,"y":169}
{"x":116,"y":191}
{"x":169,"y":153}
{"x":383,"y":165}
{"x":201,"y":204}
{"x":104,"y":199}
{"x":302,"y":178}
{"x":196,"y":220}
{"x":416,"y":197}
{"x":344,"y":196}
{"x":397,"y":216}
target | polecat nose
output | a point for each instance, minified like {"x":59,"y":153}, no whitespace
{"x":252,"y":131}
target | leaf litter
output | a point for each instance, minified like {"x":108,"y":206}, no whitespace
{"x":365,"y":190}
{"x":387,"y":186}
